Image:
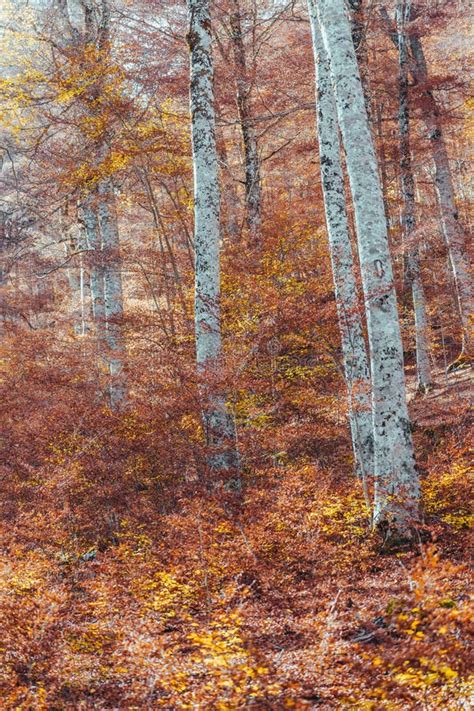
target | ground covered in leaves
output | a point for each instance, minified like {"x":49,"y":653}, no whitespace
{"x":172,"y":598}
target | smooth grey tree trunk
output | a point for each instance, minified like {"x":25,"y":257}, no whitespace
{"x":218,"y":422}
{"x":382,"y":160}
{"x":453,"y":231}
{"x":253,"y":196}
{"x":83,"y":297}
{"x":113,"y":293}
{"x":91,"y":25}
{"x":105,"y":284}
{"x":88,"y":212}
{"x":74,"y":247}
{"x":358,"y":32}
{"x":354,"y":352}
{"x":407,"y":184}
{"x":397,"y":491}
{"x":230,"y":193}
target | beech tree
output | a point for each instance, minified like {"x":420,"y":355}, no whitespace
{"x":396,"y":479}
{"x":453,"y":231}
{"x":88,"y":218}
{"x":87,"y":26}
{"x":75,"y":244}
{"x":218,"y":421}
{"x":133,"y":574}
{"x":243,"y":81}
{"x":113,"y":295}
{"x":413,"y":275}
{"x":358,"y":29}
{"x":356,"y":362}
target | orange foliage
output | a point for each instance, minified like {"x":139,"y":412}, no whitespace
{"x":127,"y":581}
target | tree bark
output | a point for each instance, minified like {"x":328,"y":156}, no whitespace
{"x":407,"y":186}
{"x":75,"y":273}
{"x":354,"y":352}
{"x":113,"y":294}
{"x":253,"y":197}
{"x":230,"y":194}
{"x":98,"y":208}
{"x":88,"y":216}
{"x":396,"y":480}
{"x":453,"y":231}
{"x":358,"y":32}
{"x":454,"y":234}
{"x":382,"y":161}
{"x":218,"y":422}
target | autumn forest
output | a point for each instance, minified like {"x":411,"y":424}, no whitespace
{"x":236,"y":346}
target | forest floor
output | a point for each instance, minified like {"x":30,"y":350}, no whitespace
{"x":288,"y":602}
{"x":449,"y":390}
{"x":342,"y":640}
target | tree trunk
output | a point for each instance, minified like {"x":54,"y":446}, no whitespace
{"x":230,"y":193}
{"x":75,"y":274}
{"x":396,"y":479}
{"x":94,"y":261}
{"x":253,"y":195}
{"x":113,"y":295}
{"x":82,"y":296}
{"x":407,"y":185}
{"x":358,"y":31}
{"x":453,"y":231}
{"x":356,"y":364}
{"x":218,"y":423}
{"x":382,"y":161}
{"x":98,"y":207}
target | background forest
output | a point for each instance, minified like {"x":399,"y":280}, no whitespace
{"x":233,"y":316}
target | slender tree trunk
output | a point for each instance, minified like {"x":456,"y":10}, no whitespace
{"x":253,"y":196}
{"x":358,"y":32}
{"x":453,"y":231}
{"x":407,"y":185}
{"x":94,"y":262}
{"x":3,"y":245}
{"x":103,"y":267}
{"x":76,"y":280}
{"x":73,"y":275}
{"x":218,"y":422}
{"x":83,"y":298}
{"x":98,"y":207}
{"x":230,"y":193}
{"x":354,"y":352}
{"x":383,"y":161}
{"x":396,"y":483}
{"x":113,"y":294}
